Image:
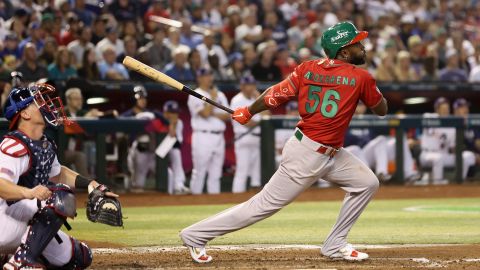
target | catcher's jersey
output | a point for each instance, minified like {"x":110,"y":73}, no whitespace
{"x":328,"y":92}
{"x":14,"y":162}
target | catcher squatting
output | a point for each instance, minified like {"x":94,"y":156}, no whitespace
{"x":36,"y":195}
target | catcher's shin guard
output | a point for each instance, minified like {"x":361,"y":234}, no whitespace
{"x":81,"y":256}
{"x":43,"y":228}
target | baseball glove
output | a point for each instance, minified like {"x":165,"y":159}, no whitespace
{"x":104,"y":209}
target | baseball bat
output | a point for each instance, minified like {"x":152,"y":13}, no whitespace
{"x":177,"y":24}
{"x":158,"y":76}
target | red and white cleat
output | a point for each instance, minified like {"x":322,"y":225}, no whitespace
{"x":349,"y":253}
{"x":199,"y":255}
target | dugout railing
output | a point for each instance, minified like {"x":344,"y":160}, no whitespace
{"x":383,"y":125}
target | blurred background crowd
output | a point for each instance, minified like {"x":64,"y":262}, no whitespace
{"x":241,"y":42}
{"x":410,"y":40}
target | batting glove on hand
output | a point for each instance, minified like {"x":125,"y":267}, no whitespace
{"x":242,"y":115}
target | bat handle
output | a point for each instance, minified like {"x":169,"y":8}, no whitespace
{"x":218,"y":105}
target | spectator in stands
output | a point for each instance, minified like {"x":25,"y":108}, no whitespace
{"x":156,"y":9}
{"x":228,"y":44}
{"x":386,"y":69}
{"x":212,"y":16}
{"x":464,"y":48}
{"x":438,"y":146}
{"x":109,"y":69}
{"x":249,"y":55}
{"x":219,"y":72}
{"x":438,"y":48}
{"x":475,"y":72}
{"x":415,"y":48}
{"x":11,"y":47}
{"x":36,"y":36}
{"x":429,"y":65}
{"x":30,"y":68}
{"x":158,"y":54}
{"x":99,"y":29}
{"x":111,"y":39}
{"x":187,"y":36}
{"x":296,"y":33}
{"x":80,"y":45}
{"x":18,"y":21}
{"x":265,"y":69}
{"x":178,"y":10}
{"x":179,"y":68}
{"x":403,"y":69}
{"x":461,"y":108}
{"x":173,"y":39}
{"x":236,"y":67}
{"x":49,"y":51}
{"x":452,"y":72}
{"x":89,"y":69}
{"x":195,"y":61}
{"x":123,"y":10}
{"x":209,"y":45}
{"x":61,"y":68}
{"x":284,"y":61}
{"x":130,"y":48}
{"x":233,"y":20}
{"x":249,"y":31}
{"x":71,"y":33}
{"x":130,"y":28}
{"x":85,"y":15}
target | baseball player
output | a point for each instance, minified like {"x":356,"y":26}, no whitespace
{"x":461,"y":108}
{"x":438,"y":146}
{"x":176,"y":174}
{"x":208,"y":143}
{"x":327,"y":91}
{"x":378,"y":151}
{"x":36,"y":194}
{"x":247,"y":139}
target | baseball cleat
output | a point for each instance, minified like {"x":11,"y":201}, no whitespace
{"x":349,"y":253}
{"x":199,"y":255}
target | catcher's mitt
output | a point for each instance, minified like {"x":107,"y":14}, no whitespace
{"x":104,"y":209}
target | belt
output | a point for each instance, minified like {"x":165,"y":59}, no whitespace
{"x":315,"y":146}
{"x":209,"y":131}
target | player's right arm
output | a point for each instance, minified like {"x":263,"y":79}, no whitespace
{"x":372,"y":97}
{"x":11,"y":192}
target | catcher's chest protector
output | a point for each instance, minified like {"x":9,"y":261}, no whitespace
{"x":42,"y":154}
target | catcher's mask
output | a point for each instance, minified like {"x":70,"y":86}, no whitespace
{"x":44,"y":97}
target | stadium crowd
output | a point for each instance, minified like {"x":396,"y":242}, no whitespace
{"x":409,"y":40}
{"x":229,"y":40}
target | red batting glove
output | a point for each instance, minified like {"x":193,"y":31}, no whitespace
{"x":242,"y":115}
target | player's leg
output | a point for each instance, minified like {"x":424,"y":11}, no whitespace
{"x":215,"y":167}
{"x":69,"y":253}
{"x":436,"y":161}
{"x":468,"y":161}
{"x":299,"y":168}
{"x":255,"y":166}
{"x":201,"y":156}
{"x":14,"y":222}
{"x":141,"y":168}
{"x":178,"y":173}
{"x":360,"y":183}
{"x":242,"y":159}
{"x":359,"y":153}
{"x":43,"y":227}
{"x":376,"y":153}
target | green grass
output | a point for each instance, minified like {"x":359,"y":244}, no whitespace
{"x":384,"y":222}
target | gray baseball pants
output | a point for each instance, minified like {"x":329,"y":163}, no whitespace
{"x":301,"y":166}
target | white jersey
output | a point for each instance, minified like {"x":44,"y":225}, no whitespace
{"x":240,"y":100}
{"x":438,"y":139}
{"x":210,"y":123}
{"x":179,"y":131}
{"x":11,"y":168}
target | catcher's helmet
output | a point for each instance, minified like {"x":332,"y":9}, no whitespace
{"x":140,"y":92}
{"x":50,"y":106}
{"x":340,"y":35}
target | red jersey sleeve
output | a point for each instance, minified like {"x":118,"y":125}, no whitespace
{"x":285,"y":90}
{"x":370,"y":94}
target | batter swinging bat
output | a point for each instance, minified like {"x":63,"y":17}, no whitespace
{"x":158,"y":76}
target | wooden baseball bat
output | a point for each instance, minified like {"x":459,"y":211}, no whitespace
{"x":178,"y":24}
{"x":158,"y":76}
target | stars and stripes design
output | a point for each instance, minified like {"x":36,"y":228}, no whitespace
{"x":13,"y":147}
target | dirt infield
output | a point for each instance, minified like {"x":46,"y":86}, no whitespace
{"x":291,"y":257}
{"x":422,"y":257}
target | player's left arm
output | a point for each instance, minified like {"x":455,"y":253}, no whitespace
{"x":74,"y":179}
{"x":372,"y":97}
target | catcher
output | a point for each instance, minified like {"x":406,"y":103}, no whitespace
{"x":36,"y":195}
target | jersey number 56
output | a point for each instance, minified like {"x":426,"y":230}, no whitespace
{"x":329,"y":107}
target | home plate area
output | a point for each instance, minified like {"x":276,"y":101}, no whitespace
{"x":291,"y":257}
